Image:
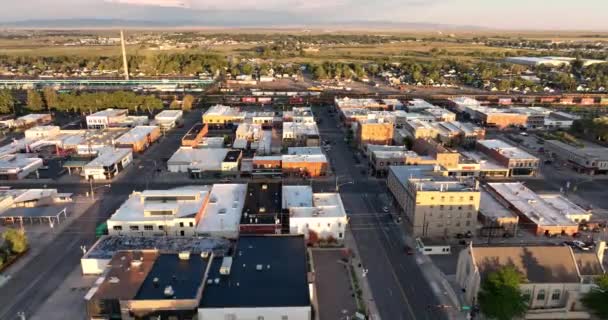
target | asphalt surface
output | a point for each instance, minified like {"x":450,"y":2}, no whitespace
{"x":397,"y":283}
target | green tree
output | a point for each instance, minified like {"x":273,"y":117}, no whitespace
{"x":7,"y":102}
{"x":500,"y":297}
{"x":174,"y":104}
{"x":596,"y":299}
{"x":34,"y":101}
{"x":50,"y":97}
{"x":16,"y":240}
{"x":188,"y":102}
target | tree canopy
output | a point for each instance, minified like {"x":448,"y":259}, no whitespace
{"x":16,"y":240}
{"x":7,"y":101}
{"x":34,"y":101}
{"x":500,"y":297}
{"x":597,"y":299}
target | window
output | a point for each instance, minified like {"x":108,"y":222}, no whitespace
{"x":161,"y":227}
{"x":339,"y":224}
{"x":471,"y":198}
{"x":192,"y":224}
{"x":540,"y":295}
{"x":117,"y":228}
{"x":329,"y":225}
{"x":134,"y":228}
{"x":181,"y":224}
{"x":441,"y":207}
{"x":469,"y":214}
{"x":556,"y":294}
{"x":340,"y":235}
{"x":148,"y":227}
{"x":468,"y":223}
{"x":459,"y":207}
{"x":284,"y":318}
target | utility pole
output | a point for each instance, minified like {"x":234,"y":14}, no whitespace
{"x":124,"y":55}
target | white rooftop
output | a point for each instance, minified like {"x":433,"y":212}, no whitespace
{"x":109,"y":113}
{"x":141,"y":206}
{"x":491,"y":208}
{"x":108,"y":156}
{"x":219,"y":110}
{"x":223,"y":211}
{"x":530,"y":204}
{"x":136,"y":134}
{"x":392,"y":154}
{"x":506,"y":149}
{"x":300,"y":128}
{"x":203,"y":159}
{"x":485,"y":162}
{"x":324,"y":205}
{"x":18,"y":162}
{"x":297,"y":196}
{"x":303,"y":158}
{"x":169,"y":114}
{"x":304,"y":150}
{"x":212,"y":142}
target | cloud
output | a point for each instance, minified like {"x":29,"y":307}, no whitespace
{"x":154,"y":3}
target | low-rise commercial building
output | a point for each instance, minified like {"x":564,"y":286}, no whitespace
{"x":41,"y":132}
{"x":381,"y":160}
{"x":232,"y":161}
{"x":313,"y":165}
{"x":299,"y":115}
{"x":222,"y":115}
{"x":300,"y":134}
{"x":444,"y":156}
{"x":168,"y":119}
{"x":174,"y":212}
{"x":589,"y":160}
{"x":263,"y":211}
{"x":518,"y":161}
{"x":434,"y":206}
{"x":249,"y":132}
{"x":420,"y":129}
{"x":106,"y":118}
{"x":108,"y":163}
{"x":196,"y":161}
{"x":19,"y":166}
{"x":540,"y":214}
{"x":496,"y":219}
{"x":28,"y":120}
{"x":319,"y":214}
{"x":139,"y":138}
{"x":374,"y":131}
{"x":554,"y":277}
{"x":497,"y":118}
{"x":194,"y":137}
{"x":222,"y":214}
{"x":267,"y":165}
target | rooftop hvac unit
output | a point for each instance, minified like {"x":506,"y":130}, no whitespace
{"x":169,"y":291}
{"x":136,"y":263}
{"x":184,"y":255}
{"x":226,"y":266}
{"x":205,"y":254}
{"x":114,"y":280}
{"x":259,"y":267}
{"x":264,"y":187}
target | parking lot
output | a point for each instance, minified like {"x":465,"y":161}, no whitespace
{"x":334,"y":293}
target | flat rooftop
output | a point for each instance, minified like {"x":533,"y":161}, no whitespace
{"x":491,"y":208}
{"x":398,"y":154}
{"x":378,"y":147}
{"x":44,"y":211}
{"x":297,"y":196}
{"x":262,"y":202}
{"x":485,"y":163}
{"x":224,"y":209}
{"x":110,"y":113}
{"x":169,"y":114}
{"x":404,"y":173}
{"x":109,"y":157}
{"x":599,"y":153}
{"x":301,"y":128}
{"x":530,"y":204}
{"x":267,"y":271}
{"x":304,"y":158}
{"x":232,"y":156}
{"x":204,"y":159}
{"x":304,"y":150}
{"x":184,"y":276}
{"x":18,"y":161}
{"x":506,"y":149}
{"x":356,"y":103}
{"x":221,"y":110}
{"x":182,"y":202}
{"x":136,"y":134}
{"x":107,"y":246}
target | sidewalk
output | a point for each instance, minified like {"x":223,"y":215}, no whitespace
{"x":372,"y":310}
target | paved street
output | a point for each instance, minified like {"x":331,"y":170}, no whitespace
{"x":399,"y":287}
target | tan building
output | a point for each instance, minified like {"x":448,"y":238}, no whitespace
{"x":382,"y":159}
{"x":313,"y":165}
{"x":375,"y":131}
{"x":435,"y":206}
{"x":518,"y":161}
{"x":445,"y":157}
{"x":420,"y":129}
{"x":555,"y":277}
{"x":139,"y":138}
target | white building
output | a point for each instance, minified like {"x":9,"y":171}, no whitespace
{"x":299,"y":115}
{"x":222,"y":214}
{"x":249,"y":131}
{"x":187,"y":159}
{"x":41,"y":132}
{"x":306,"y":134}
{"x":321,"y":213}
{"x":169,"y":119}
{"x":174,"y":212}
{"x":106,"y":118}
{"x":18,"y":166}
{"x":108,"y":164}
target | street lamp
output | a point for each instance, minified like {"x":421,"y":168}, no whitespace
{"x":341,"y":184}
{"x":99,"y":187}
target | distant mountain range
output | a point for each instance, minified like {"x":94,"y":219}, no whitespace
{"x":232,"y":21}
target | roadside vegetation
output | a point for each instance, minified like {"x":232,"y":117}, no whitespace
{"x":13,"y":243}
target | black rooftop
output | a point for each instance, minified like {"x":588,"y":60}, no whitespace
{"x":281,"y":282}
{"x":232,"y":155}
{"x":263,"y":201}
{"x":184,"y":276}
{"x":193,"y":132}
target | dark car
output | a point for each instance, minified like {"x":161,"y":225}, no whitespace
{"x":408,"y":250}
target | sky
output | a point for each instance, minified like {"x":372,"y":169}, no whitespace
{"x":502,"y":14}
